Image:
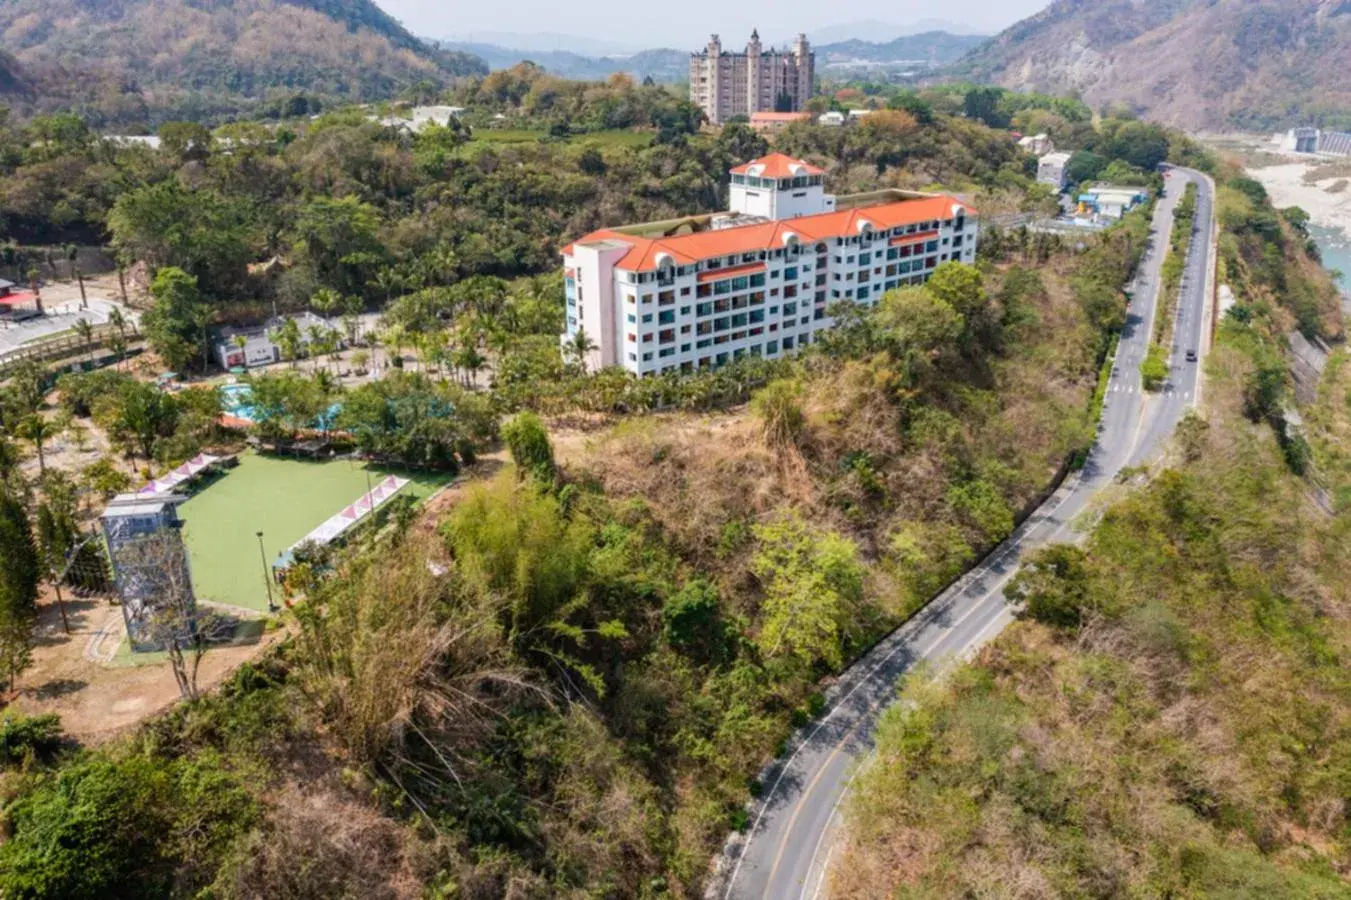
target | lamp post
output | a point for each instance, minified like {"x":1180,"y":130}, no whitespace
{"x":267,"y":576}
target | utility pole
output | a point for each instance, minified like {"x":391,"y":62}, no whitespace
{"x":267,"y":574}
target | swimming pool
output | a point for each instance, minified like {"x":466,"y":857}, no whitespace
{"x":234,"y":400}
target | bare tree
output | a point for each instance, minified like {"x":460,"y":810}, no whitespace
{"x":160,"y":608}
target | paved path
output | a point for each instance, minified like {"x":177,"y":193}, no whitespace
{"x":786,"y":853}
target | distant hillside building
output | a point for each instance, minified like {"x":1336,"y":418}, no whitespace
{"x":774,"y":121}
{"x":1053,"y":169}
{"x":1316,"y":140}
{"x":259,"y":348}
{"x":725,"y":85}
{"x":1109,"y":202}
{"x":1037,"y":144}
{"x":758,"y":280}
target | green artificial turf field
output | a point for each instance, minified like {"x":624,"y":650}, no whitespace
{"x":283,"y":498}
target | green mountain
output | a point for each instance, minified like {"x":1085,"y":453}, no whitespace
{"x":1198,"y":64}
{"x":142,"y":61}
{"x":928,"y":48}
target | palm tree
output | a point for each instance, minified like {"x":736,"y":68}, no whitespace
{"x":86,"y":332}
{"x":389,"y":281}
{"x":396,"y":336}
{"x":38,"y":430}
{"x":351,"y":317}
{"x":121,"y":277}
{"x":325,"y":300}
{"x":73,"y":257}
{"x":118,"y":321}
{"x":471,"y":361}
{"x":287,"y":339}
{"x":579,"y":347}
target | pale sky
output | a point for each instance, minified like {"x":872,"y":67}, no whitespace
{"x":687,"y":23}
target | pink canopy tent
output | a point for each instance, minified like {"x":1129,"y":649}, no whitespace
{"x":184,"y":473}
{"x":338,"y":524}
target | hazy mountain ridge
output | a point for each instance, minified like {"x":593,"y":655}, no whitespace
{"x":1199,"y":64}
{"x":668,"y":65}
{"x":124,"y":61}
{"x":937,"y":47}
{"x":664,"y":65}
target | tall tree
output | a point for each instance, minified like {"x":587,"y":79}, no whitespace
{"x":19,"y":578}
{"x":176,"y":325}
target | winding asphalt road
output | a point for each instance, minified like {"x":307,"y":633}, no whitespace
{"x":786,"y":853}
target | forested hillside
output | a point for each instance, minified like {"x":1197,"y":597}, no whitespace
{"x":139,"y":63}
{"x":1258,"y":64}
{"x":561,"y":681}
{"x":1173,"y":715}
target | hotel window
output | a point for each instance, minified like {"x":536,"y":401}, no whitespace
{"x":647,"y":318}
{"x":703,"y":309}
{"x":739,"y":320}
{"x":666,"y":336}
{"x":666,"y":317}
{"x":865,"y":259}
{"x":647,"y":357}
{"x":632,"y":318}
{"x":722,"y":305}
{"x":787,"y":342}
{"x":790,"y":291}
{"x":790,"y":273}
{"x":789,"y":309}
{"x":722,"y":287}
{"x":758,"y":279}
{"x":705,"y":290}
{"x":633,"y":338}
{"x":772,"y":347}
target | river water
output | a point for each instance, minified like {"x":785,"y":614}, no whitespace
{"x":1336,"y":248}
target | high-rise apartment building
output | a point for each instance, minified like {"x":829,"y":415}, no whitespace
{"x":725,"y":85}
{"x":758,"y":280}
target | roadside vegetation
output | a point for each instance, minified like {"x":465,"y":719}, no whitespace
{"x":1171,"y":716}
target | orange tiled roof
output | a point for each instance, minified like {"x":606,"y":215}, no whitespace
{"x":686,"y":249}
{"x":780,"y":116}
{"x":777,"y":165}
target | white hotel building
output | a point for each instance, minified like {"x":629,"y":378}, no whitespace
{"x":697,"y":292}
